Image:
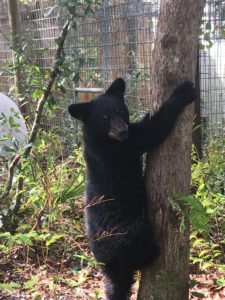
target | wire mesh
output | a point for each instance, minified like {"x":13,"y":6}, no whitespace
{"x":212,"y":67}
{"x":6,"y":81}
{"x":129,"y":38}
{"x":117,"y":40}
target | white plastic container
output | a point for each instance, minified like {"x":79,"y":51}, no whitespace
{"x":13,"y":131}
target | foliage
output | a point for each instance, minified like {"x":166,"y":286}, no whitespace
{"x":205,"y":207}
{"x":43,"y":222}
{"x":208,"y":183}
{"x":77,"y":8}
{"x":51,"y":224}
{"x":33,"y":83}
{"x":210,"y":31}
{"x":34,"y":78}
{"x":27,"y":56}
{"x":52,"y":181}
{"x":48,"y":225}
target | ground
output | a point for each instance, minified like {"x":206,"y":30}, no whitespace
{"x":63,"y":282}
{"x":67,"y":271}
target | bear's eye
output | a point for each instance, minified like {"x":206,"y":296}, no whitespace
{"x":105,"y":117}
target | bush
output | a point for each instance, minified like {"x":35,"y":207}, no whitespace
{"x":49,"y":212}
{"x":208,"y":184}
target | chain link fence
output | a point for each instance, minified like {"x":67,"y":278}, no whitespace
{"x":117,"y":40}
{"x":212,"y":67}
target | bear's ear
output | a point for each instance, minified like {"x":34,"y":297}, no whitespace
{"x":80,"y":111}
{"x":117,"y":88}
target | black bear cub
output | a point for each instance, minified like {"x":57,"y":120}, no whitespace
{"x":119,"y":234}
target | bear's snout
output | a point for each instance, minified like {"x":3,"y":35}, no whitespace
{"x":123,"y":134}
{"x":118,"y":130}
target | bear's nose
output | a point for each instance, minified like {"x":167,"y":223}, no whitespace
{"x":123,"y":134}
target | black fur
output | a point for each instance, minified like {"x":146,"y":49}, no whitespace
{"x":119,"y":234}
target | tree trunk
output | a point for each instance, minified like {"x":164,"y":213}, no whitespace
{"x":168,"y":168}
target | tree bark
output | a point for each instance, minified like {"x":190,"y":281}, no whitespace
{"x":168,"y":168}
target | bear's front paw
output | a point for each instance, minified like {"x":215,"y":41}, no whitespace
{"x":186,"y":92}
{"x":146,"y":117}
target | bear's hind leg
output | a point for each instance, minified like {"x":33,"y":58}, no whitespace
{"x":118,"y":284}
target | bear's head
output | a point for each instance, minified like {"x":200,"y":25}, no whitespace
{"x":107,"y":116}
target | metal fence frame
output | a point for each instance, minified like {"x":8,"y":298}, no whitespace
{"x":118,"y":41}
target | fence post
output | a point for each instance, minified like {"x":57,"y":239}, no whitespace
{"x":197,"y":133}
{"x":15,"y":26}
{"x":106,"y":51}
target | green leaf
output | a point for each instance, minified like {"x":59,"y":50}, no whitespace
{"x":9,"y":286}
{"x":223,"y":32}
{"x":5,"y":235}
{"x":4,"y":138}
{"x":62,"y":89}
{"x":37,"y":69}
{"x":76,"y":77}
{"x":201,"y":46}
{"x":3,"y":248}
{"x":12,"y":122}
{"x":54,"y":238}
{"x":23,"y":238}
{"x":3,"y":118}
{"x":206,"y":265}
{"x":15,"y":143}
{"x":8,"y":149}
{"x":52,"y":104}
{"x":37,"y":94}
{"x":202,"y":253}
{"x":207,"y":36}
{"x":31,"y":283}
{"x":201,"y":186}
{"x":192,"y":284}
{"x":58,"y":41}
{"x":208,"y":26}
{"x":220,"y":281}
{"x":198,"y":295}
